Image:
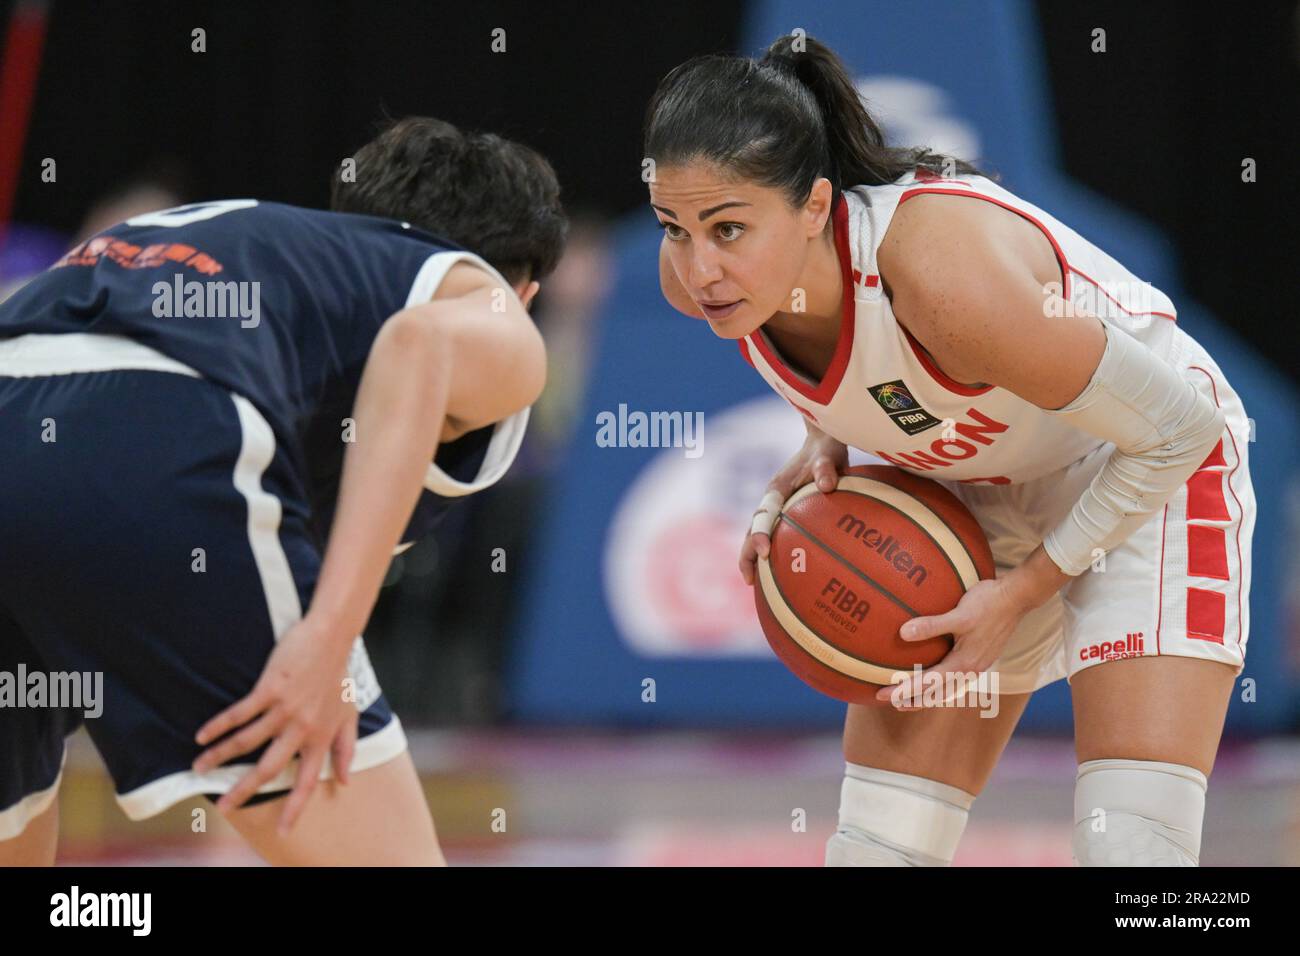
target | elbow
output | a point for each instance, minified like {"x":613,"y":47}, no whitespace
{"x":1199,"y":434}
{"x":1214,"y":431}
{"x":532,"y":379}
{"x":1210,"y":423}
{"x":414,"y":342}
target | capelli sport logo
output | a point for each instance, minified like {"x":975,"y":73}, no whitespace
{"x":900,"y":406}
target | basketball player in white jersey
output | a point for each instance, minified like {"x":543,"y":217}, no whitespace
{"x":910,"y":307}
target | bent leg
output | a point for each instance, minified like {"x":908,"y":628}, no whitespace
{"x":37,"y":843}
{"x":1152,"y":708}
{"x":1147,"y":731}
{"x":33,"y":748}
{"x":911,"y":779}
{"x":380,"y":818}
{"x":953,"y":745}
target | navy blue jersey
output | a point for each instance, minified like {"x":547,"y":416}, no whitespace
{"x":276,"y":303}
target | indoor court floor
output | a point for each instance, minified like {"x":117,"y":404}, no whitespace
{"x":688,"y":799}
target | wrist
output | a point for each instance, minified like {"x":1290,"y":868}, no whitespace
{"x":330,"y":632}
{"x":1035,"y":580}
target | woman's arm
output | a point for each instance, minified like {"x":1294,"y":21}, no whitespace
{"x":970,"y":282}
{"x":475,"y":355}
{"x":821,"y":459}
{"x":477,"y":358}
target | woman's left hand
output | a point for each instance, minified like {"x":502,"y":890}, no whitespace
{"x":980,"y":624}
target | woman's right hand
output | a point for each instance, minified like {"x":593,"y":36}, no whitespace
{"x":821,"y":459}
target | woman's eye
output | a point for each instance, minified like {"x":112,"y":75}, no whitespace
{"x":730,"y":231}
{"x":675,"y":232}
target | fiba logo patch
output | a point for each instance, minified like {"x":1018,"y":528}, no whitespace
{"x":900,"y":406}
{"x":893,"y":398}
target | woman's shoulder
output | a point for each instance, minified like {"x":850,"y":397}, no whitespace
{"x":948,"y":219}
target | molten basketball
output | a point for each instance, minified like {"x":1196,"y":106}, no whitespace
{"x":847,"y":569}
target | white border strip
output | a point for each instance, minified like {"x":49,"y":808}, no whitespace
{"x":503,"y":446}
{"x":67,"y":353}
{"x":155,"y":797}
{"x":508,"y":434}
{"x":256,"y":453}
{"x":435,"y":269}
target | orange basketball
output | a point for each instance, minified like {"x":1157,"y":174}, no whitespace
{"x":848,"y":569}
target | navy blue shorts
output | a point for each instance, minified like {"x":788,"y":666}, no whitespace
{"x":151,"y":533}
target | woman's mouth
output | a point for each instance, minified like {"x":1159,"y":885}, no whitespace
{"x":719,"y":310}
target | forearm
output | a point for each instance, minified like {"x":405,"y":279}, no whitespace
{"x":1162,"y":429}
{"x":399,"y":412}
{"x":1035,"y":579}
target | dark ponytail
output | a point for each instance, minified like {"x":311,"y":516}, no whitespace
{"x":781,"y":121}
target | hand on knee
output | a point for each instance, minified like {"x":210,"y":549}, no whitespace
{"x":1138,"y":813}
{"x":896,"y":819}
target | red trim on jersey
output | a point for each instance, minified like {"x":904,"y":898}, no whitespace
{"x":1065,"y":266}
{"x":924,"y":175}
{"x":823,"y":391}
{"x":1098,"y":287}
{"x":744,"y":350}
{"x":924,"y":357}
{"x":1207,"y":552}
{"x":1160,"y":594}
{"x":1241,"y":512}
{"x":1205,"y":615}
{"x":1205,"y":501}
{"x":937,"y":373}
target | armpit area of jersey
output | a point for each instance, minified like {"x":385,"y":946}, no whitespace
{"x":462,"y":460}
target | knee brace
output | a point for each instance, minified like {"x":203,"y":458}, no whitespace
{"x":1138,"y":813}
{"x":896,"y":819}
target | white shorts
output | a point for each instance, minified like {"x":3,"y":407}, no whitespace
{"x":1178,"y":586}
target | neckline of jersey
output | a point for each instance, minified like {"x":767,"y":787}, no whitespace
{"x":821,"y":392}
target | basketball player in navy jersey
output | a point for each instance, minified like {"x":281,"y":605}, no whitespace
{"x":1082,"y":423}
{"x":217,"y":424}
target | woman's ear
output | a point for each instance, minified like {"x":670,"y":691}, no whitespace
{"x":527,"y":292}
{"x":817,"y":210}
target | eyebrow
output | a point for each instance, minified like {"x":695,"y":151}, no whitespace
{"x":705,"y":213}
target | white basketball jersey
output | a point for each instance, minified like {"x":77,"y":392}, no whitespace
{"x":884,"y":394}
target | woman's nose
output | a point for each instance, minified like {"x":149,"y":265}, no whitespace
{"x":705,"y":270}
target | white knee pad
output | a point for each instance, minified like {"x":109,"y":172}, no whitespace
{"x":896,"y":819}
{"x":1138,"y":813}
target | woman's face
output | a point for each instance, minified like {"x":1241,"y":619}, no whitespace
{"x":738,"y":248}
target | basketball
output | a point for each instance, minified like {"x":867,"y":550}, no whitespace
{"x":847,"y":569}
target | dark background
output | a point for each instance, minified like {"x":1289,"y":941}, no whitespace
{"x":1160,"y":122}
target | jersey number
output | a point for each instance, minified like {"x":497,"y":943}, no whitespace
{"x":193,"y":212}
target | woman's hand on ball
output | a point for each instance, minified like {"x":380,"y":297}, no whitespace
{"x":821,"y":459}
{"x":981,"y":624}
